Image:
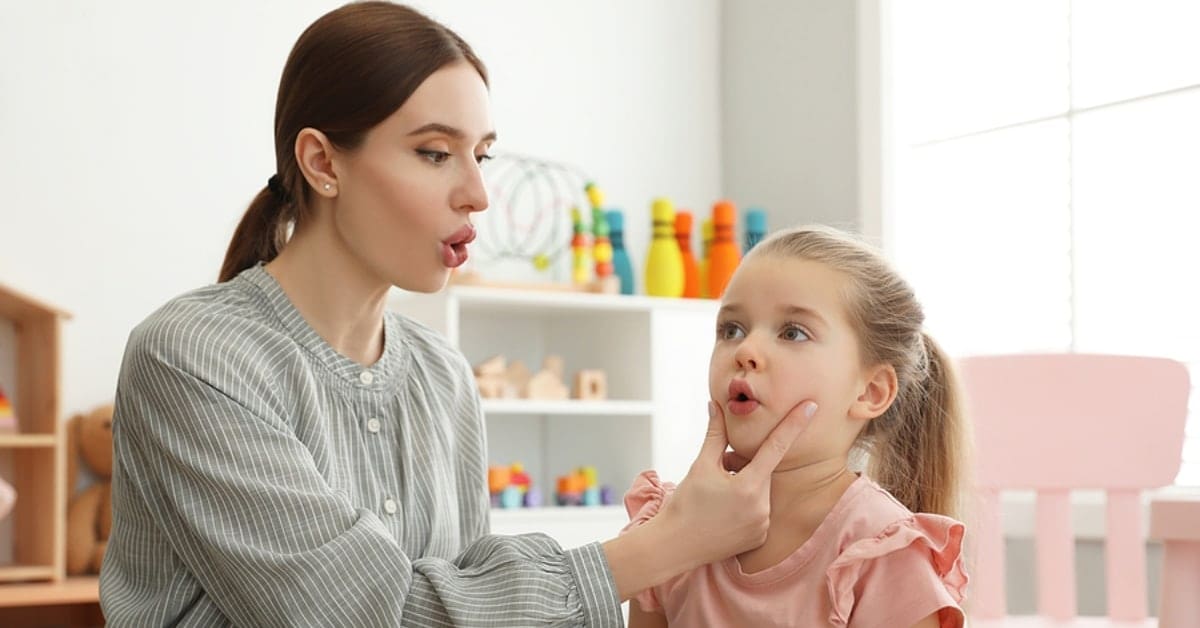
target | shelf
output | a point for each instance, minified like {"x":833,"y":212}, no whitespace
{"x":81,"y":590}
{"x":532,"y":300}
{"x":20,"y":573}
{"x":10,"y":441}
{"x":553,"y":515}
{"x":568,"y":407}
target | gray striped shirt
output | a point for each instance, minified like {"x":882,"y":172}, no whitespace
{"x":263,"y":479}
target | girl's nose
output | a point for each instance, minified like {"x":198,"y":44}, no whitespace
{"x":747,"y":357}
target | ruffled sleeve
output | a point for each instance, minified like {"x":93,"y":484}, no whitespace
{"x":643,"y":500}
{"x":909,"y":571}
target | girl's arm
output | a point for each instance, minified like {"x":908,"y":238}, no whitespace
{"x":639,"y":618}
{"x":929,"y":622}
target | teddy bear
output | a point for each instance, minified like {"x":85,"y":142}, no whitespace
{"x":89,"y":514}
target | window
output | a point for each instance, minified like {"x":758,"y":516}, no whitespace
{"x":1046,"y":171}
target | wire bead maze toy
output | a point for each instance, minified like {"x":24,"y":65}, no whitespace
{"x":532,"y":227}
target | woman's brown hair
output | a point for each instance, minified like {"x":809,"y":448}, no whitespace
{"x":348,"y":71}
{"x":917,"y":447}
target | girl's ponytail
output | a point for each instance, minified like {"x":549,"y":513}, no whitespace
{"x":919,"y":456}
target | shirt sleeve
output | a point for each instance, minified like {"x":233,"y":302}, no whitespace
{"x":913,"y":569}
{"x":244,"y":508}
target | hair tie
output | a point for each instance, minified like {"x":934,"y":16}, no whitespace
{"x":275,"y":184}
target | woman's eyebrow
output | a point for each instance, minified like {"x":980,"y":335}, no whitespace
{"x":445,"y":129}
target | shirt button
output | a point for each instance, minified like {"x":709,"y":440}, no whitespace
{"x":372,"y":425}
{"x":366,"y":377}
{"x":389,"y":506}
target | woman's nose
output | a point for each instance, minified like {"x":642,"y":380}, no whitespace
{"x":472,"y":195}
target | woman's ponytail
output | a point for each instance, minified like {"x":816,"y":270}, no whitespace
{"x":261,"y":233}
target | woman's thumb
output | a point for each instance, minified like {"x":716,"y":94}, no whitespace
{"x":715,"y":441}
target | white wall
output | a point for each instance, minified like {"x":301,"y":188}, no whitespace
{"x":133,"y":133}
{"x":790,"y":109}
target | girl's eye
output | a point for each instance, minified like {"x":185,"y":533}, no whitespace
{"x":434,"y":156}
{"x":729,"y":331}
{"x":793,"y":333}
{"x":479,"y":159}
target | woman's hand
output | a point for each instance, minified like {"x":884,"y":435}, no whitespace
{"x":713,"y":514}
{"x":722,"y":513}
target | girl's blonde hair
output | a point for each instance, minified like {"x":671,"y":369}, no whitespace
{"x":917,"y":447}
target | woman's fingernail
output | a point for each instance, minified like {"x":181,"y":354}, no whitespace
{"x":712,"y":410}
{"x":810,"y":410}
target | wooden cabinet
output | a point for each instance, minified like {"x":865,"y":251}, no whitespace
{"x":33,"y":582}
{"x":35,"y":456}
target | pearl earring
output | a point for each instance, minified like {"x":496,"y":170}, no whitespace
{"x":327,"y":186}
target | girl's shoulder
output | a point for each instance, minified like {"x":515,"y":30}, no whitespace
{"x":890,"y":558}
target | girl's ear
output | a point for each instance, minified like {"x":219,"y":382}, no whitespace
{"x":879,"y":388}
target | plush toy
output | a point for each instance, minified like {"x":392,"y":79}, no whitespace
{"x":89,"y":516}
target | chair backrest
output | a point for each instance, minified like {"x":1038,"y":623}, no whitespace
{"x":1057,"y":422}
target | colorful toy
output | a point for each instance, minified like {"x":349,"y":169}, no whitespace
{"x":691,"y":271}
{"x":723,"y":254}
{"x":664,"y":262}
{"x":706,"y":238}
{"x":591,"y":384}
{"x":530,"y":203}
{"x":580,"y":488}
{"x":579,"y":249}
{"x":511,"y":487}
{"x":602,"y":249}
{"x":756,"y":227}
{"x":8,"y":418}
{"x":89,"y":514}
{"x":622,"y":265}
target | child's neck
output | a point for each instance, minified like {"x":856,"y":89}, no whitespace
{"x":801,"y":498}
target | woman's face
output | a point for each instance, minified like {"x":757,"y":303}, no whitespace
{"x":406,"y":195}
{"x":783,"y":337}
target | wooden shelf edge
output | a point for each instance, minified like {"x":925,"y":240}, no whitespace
{"x":568,"y":407}
{"x":9,"y":441}
{"x":75,"y":590}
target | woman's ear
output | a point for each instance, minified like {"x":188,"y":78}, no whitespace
{"x":879,"y":388}
{"x":314,"y":155}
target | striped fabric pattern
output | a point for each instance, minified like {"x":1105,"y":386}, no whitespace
{"x":262,"y":479}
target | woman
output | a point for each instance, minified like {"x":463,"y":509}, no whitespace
{"x":288,"y":453}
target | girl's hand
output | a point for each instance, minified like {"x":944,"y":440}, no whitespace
{"x":722,"y":514}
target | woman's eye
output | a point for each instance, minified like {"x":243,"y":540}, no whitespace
{"x":729,"y":331}
{"x":479,"y":159}
{"x":793,"y":334}
{"x":434,"y":156}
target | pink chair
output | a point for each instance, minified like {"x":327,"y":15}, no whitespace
{"x":1060,"y":422}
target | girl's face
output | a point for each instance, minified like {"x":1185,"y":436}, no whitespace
{"x":405,"y":197}
{"x":784,"y":336}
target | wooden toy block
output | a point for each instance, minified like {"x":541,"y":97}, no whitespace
{"x":546,"y":385}
{"x":554,"y":364}
{"x":517,"y":376}
{"x":591,"y":384}
{"x":494,"y":365}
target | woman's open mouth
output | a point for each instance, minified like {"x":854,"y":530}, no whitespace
{"x":454,"y":248}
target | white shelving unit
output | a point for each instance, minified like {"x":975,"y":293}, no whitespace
{"x":655,"y":353}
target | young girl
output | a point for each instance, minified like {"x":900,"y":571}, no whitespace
{"x":813,"y":314}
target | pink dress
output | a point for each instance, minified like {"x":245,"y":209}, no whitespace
{"x":870,"y":563}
